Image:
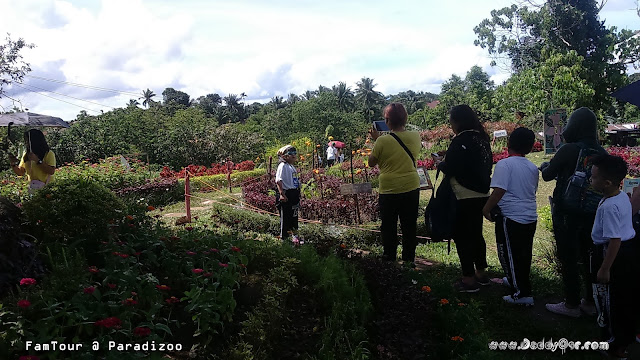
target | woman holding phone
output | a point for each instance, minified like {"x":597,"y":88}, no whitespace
{"x":399,"y":189}
{"x":38,"y":162}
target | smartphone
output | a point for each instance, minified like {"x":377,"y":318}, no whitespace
{"x":381,"y":125}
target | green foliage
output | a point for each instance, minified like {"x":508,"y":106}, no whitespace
{"x":208,"y":183}
{"x":109,"y":173}
{"x":13,"y":67}
{"x":75,"y":212}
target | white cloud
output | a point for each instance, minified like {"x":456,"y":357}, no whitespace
{"x":260,"y":48}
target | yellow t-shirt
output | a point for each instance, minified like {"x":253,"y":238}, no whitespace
{"x":33,"y":170}
{"x":397,"y":173}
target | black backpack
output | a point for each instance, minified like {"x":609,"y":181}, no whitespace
{"x":579,"y":196}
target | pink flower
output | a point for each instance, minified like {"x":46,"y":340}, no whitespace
{"x":207,"y":274}
{"x":89,"y":290}
{"x":142,"y":331}
{"x":223,"y":265}
{"x":129,"y":302}
{"x":163,"y":287}
{"x":235,"y":248}
{"x":112,"y":322}
{"x":172,"y":300}
{"x":111,"y":286}
{"x":28,"y":357}
{"x":197,"y":271}
{"x":191,"y":253}
{"x":28,"y":281}
{"x":24,"y":303}
{"x":214,"y":250}
{"x":93,"y":270}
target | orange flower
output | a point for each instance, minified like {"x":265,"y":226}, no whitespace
{"x":444,"y":301}
{"x":353,"y":152}
{"x":359,"y":171}
{"x":462,"y":304}
{"x":317,"y":145}
{"x":367,"y":141}
{"x":301,"y":157}
{"x":129,"y":217}
{"x":343,"y":246}
{"x":426,"y":289}
{"x":316,"y":171}
{"x":150,"y":208}
{"x":457,"y":338}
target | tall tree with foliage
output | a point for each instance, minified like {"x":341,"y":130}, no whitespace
{"x":12,"y":67}
{"x":368,"y":99}
{"x":345,"y":96}
{"x":147,"y":95}
{"x":527,"y":36}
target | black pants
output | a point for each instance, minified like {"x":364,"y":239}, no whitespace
{"x":514,"y":242}
{"x":467,"y":233}
{"x":405,"y":207}
{"x":617,"y":301}
{"x":288,"y":212}
{"x":573,"y":241}
{"x":330,"y":162}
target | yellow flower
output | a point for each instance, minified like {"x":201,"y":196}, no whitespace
{"x":330,"y":138}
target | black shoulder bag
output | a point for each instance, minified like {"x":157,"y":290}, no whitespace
{"x":413,"y":161}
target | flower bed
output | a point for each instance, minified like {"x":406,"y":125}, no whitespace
{"x":200,"y":170}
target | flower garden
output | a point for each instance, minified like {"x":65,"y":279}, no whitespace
{"x":116,"y":275}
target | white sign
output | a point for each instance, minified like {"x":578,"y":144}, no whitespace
{"x":500,"y":133}
{"x":629,"y":185}
{"x":125,"y":163}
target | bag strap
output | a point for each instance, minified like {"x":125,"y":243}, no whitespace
{"x":413,"y":161}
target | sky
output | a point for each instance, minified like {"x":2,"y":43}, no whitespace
{"x":261,"y":48}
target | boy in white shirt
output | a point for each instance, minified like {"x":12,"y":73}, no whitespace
{"x":512,"y":205}
{"x":288,"y":197}
{"x":615,"y":283}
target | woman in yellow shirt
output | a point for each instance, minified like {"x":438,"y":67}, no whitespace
{"x":38,"y":161}
{"x":399,"y":182}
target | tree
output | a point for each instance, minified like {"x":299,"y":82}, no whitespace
{"x":292,"y":99}
{"x":277,"y":102}
{"x":308,"y":95}
{"x":346,"y":99}
{"x":12,"y":67}
{"x":172,"y":96}
{"x":527,"y":37}
{"x":234,"y":107}
{"x":367,"y":98}
{"x":209,"y":103}
{"x":133,"y":103}
{"x":147,"y":95}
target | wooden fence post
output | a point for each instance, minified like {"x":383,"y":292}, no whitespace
{"x":187,"y":196}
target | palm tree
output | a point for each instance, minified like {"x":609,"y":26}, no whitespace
{"x":292,"y":99}
{"x":322,"y":89}
{"x":147,"y":95}
{"x":344,"y":95}
{"x":277,"y":102}
{"x":308,"y":95}
{"x":232,"y":102}
{"x":133,"y":103}
{"x":367,"y":97}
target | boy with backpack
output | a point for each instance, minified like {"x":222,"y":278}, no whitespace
{"x":613,"y":260}
{"x":512,"y":205}
{"x":572,"y":223}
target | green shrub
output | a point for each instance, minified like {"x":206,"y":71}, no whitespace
{"x":75,"y":213}
{"x":161,"y":192}
{"x":208,"y":183}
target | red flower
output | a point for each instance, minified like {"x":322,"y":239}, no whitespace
{"x":172,"y":300}
{"x":133,"y":293}
{"x":111,"y":286}
{"x":112,"y":322}
{"x":150,"y":208}
{"x":188,"y":228}
{"x":28,"y":281}
{"x":197,"y":271}
{"x":124,"y":256}
{"x":214,"y":250}
{"x":24,"y":303}
{"x":163,"y":287}
{"x":137,"y":253}
{"x":129,"y":217}
{"x":223,"y":265}
{"x":93,"y":270}
{"x":89,"y":290}
{"x":141,"y":331}
{"x":207,"y":274}
{"x":129,"y":302}
{"x":191,"y":253}
{"x":235,"y":248}
{"x":28,"y":357}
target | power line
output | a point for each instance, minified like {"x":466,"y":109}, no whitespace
{"x":80,"y":106}
{"x":84,"y":86}
{"x":75,"y":98}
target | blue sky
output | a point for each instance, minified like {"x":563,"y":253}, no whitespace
{"x":262,"y":48}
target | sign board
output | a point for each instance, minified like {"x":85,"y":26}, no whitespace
{"x":425,"y":180}
{"x":350,"y":189}
{"x":629,"y":185}
{"x":554,"y":122}
{"x":500,"y":133}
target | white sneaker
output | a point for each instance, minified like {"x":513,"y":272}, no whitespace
{"x":527,"y":300}
{"x":562,"y":309}
{"x":589,"y":309}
